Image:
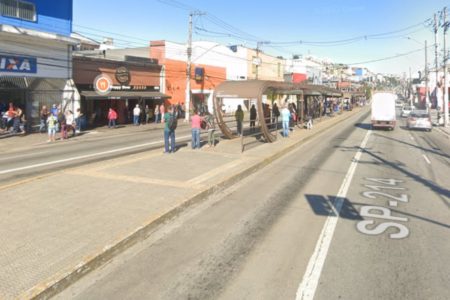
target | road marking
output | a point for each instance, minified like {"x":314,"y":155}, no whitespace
{"x":49,"y":163}
{"x":308,"y":286}
{"x":426,"y":159}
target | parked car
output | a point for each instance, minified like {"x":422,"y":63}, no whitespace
{"x":406,"y":110}
{"x":419,"y":119}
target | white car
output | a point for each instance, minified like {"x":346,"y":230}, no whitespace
{"x":419,"y":119}
{"x":406,"y":110}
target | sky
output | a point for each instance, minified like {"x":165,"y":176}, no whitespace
{"x":374,"y":34}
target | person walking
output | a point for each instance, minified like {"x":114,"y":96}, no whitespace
{"x":51,"y":127}
{"x":309,"y":123}
{"x":136,"y":115}
{"x":63,"y":124}
{"x":252,"y":118}
{"x":147,"y":114}
{"x":156,"y":112}
{"x":43,"y":119}
{"x":112,"y":117}
{"x":70,"y":122}
{"x":170,"y":120}
{"x":285,"y":118}
{"x":196,"y":126}
{"x":239,"y":116}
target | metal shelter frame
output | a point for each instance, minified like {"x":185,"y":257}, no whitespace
{"x":254,"y":90}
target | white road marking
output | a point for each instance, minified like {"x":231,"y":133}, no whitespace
{"x":308,"y":286}
{"x":49,"y":163}
{"x":426,"y":159}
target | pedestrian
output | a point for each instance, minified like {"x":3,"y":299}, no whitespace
{"x":252,"y":118}
{"x":63,"y":124}
{"x":309,"y":123}
{"x":275,"y":114}
{"x":112,"y":117}
{"x":239,"y":116}
{"x":169,"y":130}
{"x":70,"y":122}
{"x":43,"y":119}
{"x":156,"y":112}
{"x":16,"y":120}
{"x":196,"y":126}
{"x":54,"y":111}
{"x":147,"y":114}
{"x":51,"y":127}
{"x":162,"y":112}
{"x":285,"y":118}
{"x":136,"y":114}
{"x":210,"y":126}
{"x":79,"y":116}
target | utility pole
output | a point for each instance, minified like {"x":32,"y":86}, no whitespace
{"x":427,"y":97}
{"x":436,"y":50}
{"x":189,"y":63}
{"x":445,"y":25}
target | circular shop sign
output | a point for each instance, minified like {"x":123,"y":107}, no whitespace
{"x":123,"y":75}
{"x":103,"y":84}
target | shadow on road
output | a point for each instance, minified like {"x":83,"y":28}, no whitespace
{"x":327,"y":206}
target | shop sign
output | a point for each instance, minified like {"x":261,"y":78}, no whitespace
{"x":103,"y":84}
{"x":18,"y":64}
{"x":123,"y":75}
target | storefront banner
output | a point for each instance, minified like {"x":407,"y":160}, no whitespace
{"x":18,"y":64}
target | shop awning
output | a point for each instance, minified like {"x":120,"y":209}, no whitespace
{"x":113,"y":95}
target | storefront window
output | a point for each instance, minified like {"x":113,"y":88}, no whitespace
{"x":18,"y":9}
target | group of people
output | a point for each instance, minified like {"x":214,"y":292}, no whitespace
{"x":12,"y":119}
{"x":55,"y":120}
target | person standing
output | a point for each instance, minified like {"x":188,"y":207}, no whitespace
{"x":51,"y":127}
{"x":63,"y":124}
{"x":43,"y":118}
{"x":239,"y":116}
{"x":136,"y":114}
{"x":252,"y":118}
{"x":112,"y":117}
{"x":285,"y":118}
{"x":169,"y":131}
{"x":156,"y":114}
{"x":147,"y":114}
{"x":275,"y":114}
{"x":162,"y":110}
{"x":209,"y":119}
{"x":70,"y":122}
{"x":196,"y":126}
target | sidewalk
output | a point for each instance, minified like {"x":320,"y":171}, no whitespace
{"x":53,"y":231}
{"x":11,"y":143}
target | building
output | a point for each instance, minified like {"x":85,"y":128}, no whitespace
{"x":129,"y":81}
{"x":204,"y":78}
{"x":36,"y":55}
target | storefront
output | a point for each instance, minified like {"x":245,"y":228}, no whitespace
{"x":125,"y":83}
{"x":35,"y":70}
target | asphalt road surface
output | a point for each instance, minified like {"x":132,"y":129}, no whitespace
{"x":277,"y":234}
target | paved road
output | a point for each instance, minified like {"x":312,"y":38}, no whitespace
{"x":275,"y":235}
{"x":41,"y":157}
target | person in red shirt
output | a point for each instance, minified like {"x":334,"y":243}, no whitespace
{"x":112,"y":117}
{"x":196,"y":121}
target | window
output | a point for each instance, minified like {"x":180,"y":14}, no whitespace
{"x":18,"y":9}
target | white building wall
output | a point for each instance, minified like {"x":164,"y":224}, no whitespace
{"x":53,"y":58}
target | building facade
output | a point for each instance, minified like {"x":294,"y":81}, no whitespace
{"x":36,"y":55}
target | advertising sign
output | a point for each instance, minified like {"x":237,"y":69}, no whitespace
{"x":18,"y":64}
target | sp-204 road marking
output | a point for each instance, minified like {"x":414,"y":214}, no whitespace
{"x":370,"y":227}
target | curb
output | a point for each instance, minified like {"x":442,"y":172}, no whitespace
{"x":61,"y":281}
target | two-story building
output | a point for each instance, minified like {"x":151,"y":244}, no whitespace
{"x":36,"y":55}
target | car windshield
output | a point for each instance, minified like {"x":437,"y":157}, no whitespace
{"x":419,"y":114}
{"x":407,"y":108}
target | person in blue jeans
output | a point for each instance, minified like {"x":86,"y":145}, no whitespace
{"x":285,"y":117}
{"x":196,"y":126}
{"x":169,"y":134}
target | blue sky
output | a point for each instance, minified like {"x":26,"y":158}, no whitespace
{"x":289,"y":26}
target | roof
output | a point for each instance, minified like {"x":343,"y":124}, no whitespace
{"x":254,"y":88}
{"x":124,"y":94}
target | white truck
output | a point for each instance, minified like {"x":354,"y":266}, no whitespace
{"x":383,"y":110}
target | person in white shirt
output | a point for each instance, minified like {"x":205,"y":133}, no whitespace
{"x":136,"y":115}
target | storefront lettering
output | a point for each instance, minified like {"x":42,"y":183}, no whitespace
{"x":18,"y":64}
